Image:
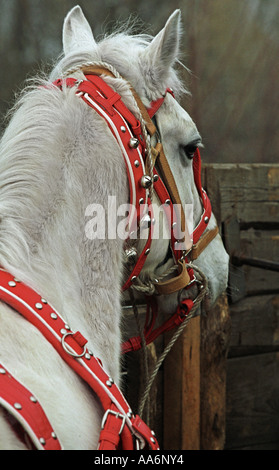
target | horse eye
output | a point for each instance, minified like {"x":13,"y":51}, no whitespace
{"x":190,"y":151}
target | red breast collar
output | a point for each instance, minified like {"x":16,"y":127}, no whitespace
{"x":120,"y":428}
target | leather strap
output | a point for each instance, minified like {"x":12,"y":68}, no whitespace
{"x":170,"y":183}
{"x":176,"y":283}
{"x":203,"y":242}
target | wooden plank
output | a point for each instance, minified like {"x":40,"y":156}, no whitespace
{"x":250,"y":192}
{"x":260,"y":244}
{"x":253,"y":375}
{"x":251,"y":243}
{"x":252,"y":402}
{"x":182,"y":391}
{"x":255,"y":325}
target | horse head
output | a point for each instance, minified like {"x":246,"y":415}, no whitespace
{"x":149,"y":67}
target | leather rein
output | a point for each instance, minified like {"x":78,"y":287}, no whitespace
{"x":121,"y":429}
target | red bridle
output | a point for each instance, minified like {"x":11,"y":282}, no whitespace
{"x":120,"y":428}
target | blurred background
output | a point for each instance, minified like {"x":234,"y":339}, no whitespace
{"x":230,"y":46}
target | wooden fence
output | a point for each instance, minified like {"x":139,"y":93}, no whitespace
{"x":219,"y":386}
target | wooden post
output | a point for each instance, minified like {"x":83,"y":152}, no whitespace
{"x":195,"y":374}
{"x":215,"y":335}
{"x":182,"y":391}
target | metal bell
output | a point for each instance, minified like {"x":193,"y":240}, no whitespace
{"x":131,"y":255}
{"x":134,"y":143}
{"x":146,"y":221}
{"x":146,"y":181}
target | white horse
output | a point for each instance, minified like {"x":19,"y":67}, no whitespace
{"x":57,"y":157}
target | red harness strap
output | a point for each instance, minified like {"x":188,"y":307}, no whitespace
{"x":120,"y":428}
{"x":128,"y":133}
{"x":151,"y":333}
{"x":156,"y":105}
{"x":26,"y":409}
{"x":124,"y":126}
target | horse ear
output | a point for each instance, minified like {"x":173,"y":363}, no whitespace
{"x":77,"y":33}
{"x":163,"y":51}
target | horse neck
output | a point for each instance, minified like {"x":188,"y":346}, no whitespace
{"x":58,"y":172}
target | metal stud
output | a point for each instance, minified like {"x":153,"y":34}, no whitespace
{"x":134,"y":143}
{"x":63,"y":331}
{"x":152,"y":440}
{"x":87,"y":356}
{"x":90,"y":352}
{"x":156,"y":177}
{"x":147,"y":252}
{"x":12,"y":284}
{"x":2,"y":371}
{"x":167,"y":202}
{"x":67,"y":327}
{"x":206,"y":220}
{"x":33,"y":399}
{"x":53,"y":316}
{"x":17,"y":406}
{"x":43,"y":301}
{"x":146,"y":221}
{"x":42,"y":441}
{"x":134,"y":278}
{"x":123,"y":129}
{"x":53,"y":435}
{"x":137,"y":163}
{"x":146,"y":181}
{"x":141,"y":201}
{"x":110,"y":382}
{"x":39,"y":306}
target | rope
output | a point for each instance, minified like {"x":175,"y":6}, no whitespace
{"x":144,"y":346}
{"x":174,"y":338}
{"x":148,"y":285}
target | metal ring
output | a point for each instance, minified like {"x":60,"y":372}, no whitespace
{"x":66,"y":347}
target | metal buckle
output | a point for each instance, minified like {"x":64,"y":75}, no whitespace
{"x":67,"y":348}
{"x":117,"y":415}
